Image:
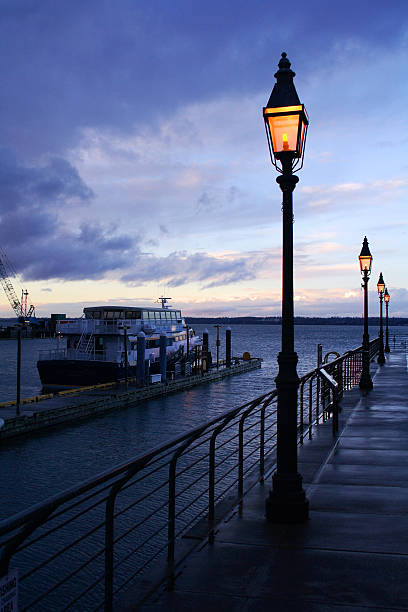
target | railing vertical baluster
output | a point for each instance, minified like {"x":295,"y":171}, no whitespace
{"x":211,"y":477}
{"x":171,"y":524}
{"x":211,"y":487}
{"x":310,"y":407}
{"x":241,"y":459}
{"x":301,"y":416}
{"x":262,"y":444}
{"x":109,"y":537}
{"x":109,"y":533}
{"x":318,"y":400}
{"x":241,"y":453}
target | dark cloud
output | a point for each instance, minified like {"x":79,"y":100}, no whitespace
{"x":68,"y":65}
{"x":180,"y":268}
{"x":34,"y":200}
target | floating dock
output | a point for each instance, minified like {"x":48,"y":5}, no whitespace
{"x":43,"y":411}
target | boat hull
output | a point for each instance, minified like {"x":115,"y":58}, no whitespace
{"x":67,"y":374}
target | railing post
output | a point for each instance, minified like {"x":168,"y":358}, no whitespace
{"x":262,"y":444}
{"x":301,"y":411}
{"x":109,"y":537}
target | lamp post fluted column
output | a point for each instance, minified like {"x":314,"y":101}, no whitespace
{"x":287,"y":501}
{"x":286,"y":124}
{"x":381,"y":287}
{"x":365,"y":258}
{"x":386,"y":300}
{"x":365,"y":379}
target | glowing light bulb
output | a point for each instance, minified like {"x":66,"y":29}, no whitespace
{"x":285,"y":142}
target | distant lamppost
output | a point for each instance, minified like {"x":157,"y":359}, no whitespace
{"x":386,"y":300}
{"x":286,"y":124}
{"x":381,"y":287}
{"x":366,"y":259}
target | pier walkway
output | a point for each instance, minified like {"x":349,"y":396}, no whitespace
{"x":44,"y":411}
{"x":352,"y":554}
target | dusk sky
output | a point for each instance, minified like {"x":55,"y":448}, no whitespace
{"x":134,"y":160}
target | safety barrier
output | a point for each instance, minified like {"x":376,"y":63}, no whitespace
{"x":135,"y":524}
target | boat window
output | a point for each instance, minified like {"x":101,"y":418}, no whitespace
{"x":178,"y":314}
{"x":108,"y":314}
{"x":117,"y":314}
{"x":145,"y":314}
{"x":97,"y":314}
{"x":173,"y":315}
{"x":151,"y":315}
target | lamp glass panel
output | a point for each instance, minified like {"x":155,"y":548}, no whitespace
{"x":387,"y":297}
{"x":284,"y":132}
{"x":365,"y":262}
{"x":380,"y":287}
{"x":302,"y":136}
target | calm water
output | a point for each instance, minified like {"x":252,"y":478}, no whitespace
{"x":32,"y":469}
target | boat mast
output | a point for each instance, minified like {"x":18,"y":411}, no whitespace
{"x":164,"y":301}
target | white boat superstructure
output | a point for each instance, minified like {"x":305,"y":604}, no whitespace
{"x":99,"y":337}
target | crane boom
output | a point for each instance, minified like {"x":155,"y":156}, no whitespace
{"x":15,"y":303}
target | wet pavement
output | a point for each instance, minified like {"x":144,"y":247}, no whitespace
{"x":352,"y":554}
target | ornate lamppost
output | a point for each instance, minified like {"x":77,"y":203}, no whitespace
{"x":366,"y":259}
{"x":386,"y":300}
{"x":381,"y":287}
{"x":286,"y":124}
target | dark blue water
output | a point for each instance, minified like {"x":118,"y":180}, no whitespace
{"x":36,"y":467}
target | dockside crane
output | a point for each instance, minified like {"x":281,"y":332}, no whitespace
{"x":22,"y":308}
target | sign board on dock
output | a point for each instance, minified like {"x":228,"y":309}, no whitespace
{"x":9,"y":592}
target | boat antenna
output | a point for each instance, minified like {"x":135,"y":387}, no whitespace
{"x":164,"y":301}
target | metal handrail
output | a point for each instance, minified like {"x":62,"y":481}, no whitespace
{"x":169,"y":500}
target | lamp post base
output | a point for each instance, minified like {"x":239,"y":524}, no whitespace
{"x":287,"y":502}
{"x":366,"y":384}
{"x":381,"y":358}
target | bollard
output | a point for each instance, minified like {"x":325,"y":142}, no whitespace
{"x":125,"y":347}
{"x":188,"y":339}
{"x":204,"y":355}
{"x":228,"y":347}
{"x":319,"y":355}
{"x":163,"y":357}
{"x":147,"y":370}
{"x":218,"y":342}
{"x":140,"y":364}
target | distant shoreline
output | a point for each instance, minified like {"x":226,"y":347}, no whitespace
{"x":392,"y":321}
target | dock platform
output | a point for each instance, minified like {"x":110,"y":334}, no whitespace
{"x":41,"y":412}
{"x":352,"y":553}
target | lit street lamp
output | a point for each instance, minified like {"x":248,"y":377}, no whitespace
{"x":381,"y":287}
{"x":386,"y":300}
{"x":366,"y":259}
{"x":286,"y":124}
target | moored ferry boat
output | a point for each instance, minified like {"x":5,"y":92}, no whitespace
{"x":95,"y":344}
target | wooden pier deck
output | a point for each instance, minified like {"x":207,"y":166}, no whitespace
{"x":42,"y":412}
{"x":352,"y":554}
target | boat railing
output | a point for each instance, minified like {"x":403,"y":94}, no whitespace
{"x":98,"y":326}
{"x":133,"y":525}
{"x":73,"y":355}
